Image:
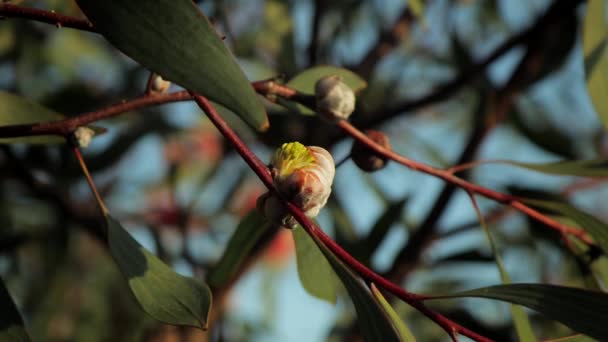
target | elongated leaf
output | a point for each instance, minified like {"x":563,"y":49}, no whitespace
{"x":315,"y":272}
{"x":520,"y":319}
{"x":574,"y":338}
{"x":581,"y":168}
{"x":306,"y":80}
{"x":16,"y":110}
{"x":174,"y":39}
{"x":163,"y":294}
{"x":596,"y":228}
{"x":583,"y":311}
{"x":375,"y":324}
{"x":11,"y":323}
{"x":595,"y":31}
{"x":247,"y":234}
{"x":404,"y":332}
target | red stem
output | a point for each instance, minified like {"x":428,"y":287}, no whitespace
{"x":52,"y":18}
{"x":262,"y":171}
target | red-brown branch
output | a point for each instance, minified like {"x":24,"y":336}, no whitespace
{"x":262,"y":171}
{"x":52,"y":18}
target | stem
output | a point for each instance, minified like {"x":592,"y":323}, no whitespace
{"x":449,"y":177}
{"x":102,"y":207}
{"x":262,"y":171}
{"x":52,"y":18}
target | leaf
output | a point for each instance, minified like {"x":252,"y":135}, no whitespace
{"x":404,"y":332}
{"x":163,"y":294}
{"x":581,"y":168}
{"x":249,"y":231}
{"x":596,"y":228}
{"x":174,"y":39}
{"x":583,"y":311}
{"x":305,"y":83}
{"x":16,"y":110}
{"x":314,"y":271}
{"x":11,"y":323}
{"x":574,"y":338}
{"x":520,"y":319}
{"x":375,"y":324}
{"x":595,"y":30}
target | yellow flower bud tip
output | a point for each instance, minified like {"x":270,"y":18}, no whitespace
{"x":291,"y":157}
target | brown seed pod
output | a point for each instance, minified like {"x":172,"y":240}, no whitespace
{"x":365,"y":158}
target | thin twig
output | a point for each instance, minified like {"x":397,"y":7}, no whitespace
{"x":52,"y":18}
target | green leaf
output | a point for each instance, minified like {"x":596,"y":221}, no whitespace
{"x":249,"y":231}
{"x":595,"y":30}
{"x":375,"y":324}
{"x":305,"y":82}
{"x":11,"y":323}
{"x":520,"y":319}
{"x":596,"y":228}
{"x":574,"y":338}
{"x":314,"y":271}
{"x":16,"y":110}
{"x":404,"y":332}
{"x":581,"y":310}
{"x":163,"y":294}
{"x":581,"y":168}
{"x":175,"y":40}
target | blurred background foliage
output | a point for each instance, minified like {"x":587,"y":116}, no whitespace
{"x":180,"y":190}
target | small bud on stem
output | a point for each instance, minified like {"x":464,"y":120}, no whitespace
{"x":335,"y":99}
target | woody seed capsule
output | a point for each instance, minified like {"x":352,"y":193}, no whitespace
{"x":365,"y":158}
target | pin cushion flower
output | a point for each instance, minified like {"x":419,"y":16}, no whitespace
{"x":301,"y":174}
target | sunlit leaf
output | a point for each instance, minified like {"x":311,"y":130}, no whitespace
{"x":249,"y":231}
{"x":596,"y":228}
{"x":16,"y":110}
{"x":305,"y":83}
{"x":315,"y":272}
{"x":583,"y":311}
{"x":595,"y":31}
{"x":174,"y":39}
{"x":373,"y":321}
{"x":163,"y":294}
{"x":11,"y":323}
{"x":404,"y":332}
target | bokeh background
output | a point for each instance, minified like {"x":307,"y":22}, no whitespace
{"x":180,"y":190}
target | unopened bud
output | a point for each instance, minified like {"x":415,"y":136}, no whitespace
{"x":367,"y":159}
{"x":82,"y":136}
{"x":159,"y":85}
{"x":335,"y":99}
{"x":304,"y":176}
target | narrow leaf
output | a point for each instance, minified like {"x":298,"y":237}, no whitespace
{"x":596,"y":228}
{"x":520,"y":319}
{"x":163,"y":294}
{"x":306,"y":80}
{"x":404,"y":332}
{"x":574,"y":338}
{"x":595,"y":30}
{"x":583,"y":311}
{"x":375,"y":324}
{"x":315,"y":272}
{"x":174,"y":39}
{"x":11,"y":323}
{"x":249,"y":231}
{"x":16,"y":110}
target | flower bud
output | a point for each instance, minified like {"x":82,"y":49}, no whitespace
{"x":365,"y":158}
{"x":304,"y":176}
{"x":82,"y":137}
{"x":335,"y":99}
{"x":159,"y":85}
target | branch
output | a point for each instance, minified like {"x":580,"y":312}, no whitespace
{"x":66,"y":126}
{"x":262,"y":171}
{"x":52,"y":18}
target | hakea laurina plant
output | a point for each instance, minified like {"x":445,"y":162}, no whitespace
{"x":302,"y":175}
